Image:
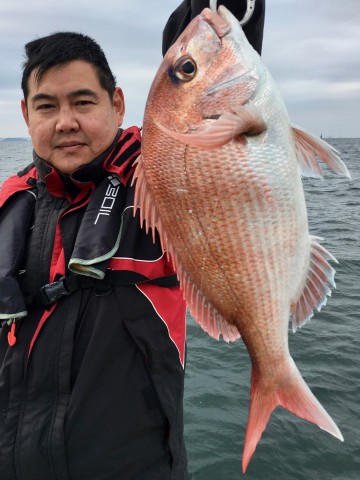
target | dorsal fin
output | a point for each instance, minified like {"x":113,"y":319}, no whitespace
{"x":308,"y":148}
{"x":319,"y":282}
{"x":202,"y":311}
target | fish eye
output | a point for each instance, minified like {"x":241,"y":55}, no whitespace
{"x":185,"y":68}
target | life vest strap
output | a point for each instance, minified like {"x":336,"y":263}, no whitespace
{"x":50,"y":293}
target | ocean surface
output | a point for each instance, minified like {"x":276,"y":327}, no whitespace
{"x":326,"y":350}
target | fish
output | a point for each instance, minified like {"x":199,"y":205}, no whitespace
{"x":220,"y":180}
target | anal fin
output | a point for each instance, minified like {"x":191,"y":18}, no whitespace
{"x":318,"y":285}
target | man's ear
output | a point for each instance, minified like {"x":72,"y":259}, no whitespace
{"x":25,"y":111}
{"x":119,"y":105}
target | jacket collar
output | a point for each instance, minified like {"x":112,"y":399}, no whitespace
{"x":118,"y":158}
{"x":91,"y":172}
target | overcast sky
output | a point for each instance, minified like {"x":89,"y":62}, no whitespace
{"x":311,"y":48}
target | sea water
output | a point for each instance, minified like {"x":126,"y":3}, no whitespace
{"x":326,"y":351}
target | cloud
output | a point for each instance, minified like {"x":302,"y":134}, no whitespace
{"x":311,"y":49}
{"x":129,"y":35}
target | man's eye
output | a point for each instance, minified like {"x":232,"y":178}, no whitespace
{"x":83,"y":103}
{"x":44,"y":106}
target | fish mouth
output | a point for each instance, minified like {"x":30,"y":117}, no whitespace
{"x":217,"y":20}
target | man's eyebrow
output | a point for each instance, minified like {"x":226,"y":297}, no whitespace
{"x":83,"y":91}
{"x":42,"y":96}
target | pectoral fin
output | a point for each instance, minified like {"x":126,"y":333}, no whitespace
{"x":215,"y":133}
{"x":308,"y":148}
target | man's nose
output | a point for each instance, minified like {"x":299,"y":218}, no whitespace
{"x":66,"y":121}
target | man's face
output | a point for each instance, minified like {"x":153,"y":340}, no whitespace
{"x":70,"y":117}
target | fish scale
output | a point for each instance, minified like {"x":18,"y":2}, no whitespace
{"x":220,"y":179}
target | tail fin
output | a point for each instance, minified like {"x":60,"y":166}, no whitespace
{"x":294,"y":395}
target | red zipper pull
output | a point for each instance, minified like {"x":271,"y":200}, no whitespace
{"x":11,"y":335}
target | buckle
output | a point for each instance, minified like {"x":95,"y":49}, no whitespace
{"x":51,"y":292}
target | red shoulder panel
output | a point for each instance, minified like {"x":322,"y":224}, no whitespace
{"x":16,"y":184}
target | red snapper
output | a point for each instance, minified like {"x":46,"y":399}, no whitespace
{"x":220,"y":180}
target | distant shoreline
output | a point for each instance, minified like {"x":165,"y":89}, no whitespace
{"x":15,"y":139}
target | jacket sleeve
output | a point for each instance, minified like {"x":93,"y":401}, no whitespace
{"x":188,"y":9}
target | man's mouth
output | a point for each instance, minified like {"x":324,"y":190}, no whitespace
{"x":70,"y":145}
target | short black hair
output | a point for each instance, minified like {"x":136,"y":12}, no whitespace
{"x":63,"y":47}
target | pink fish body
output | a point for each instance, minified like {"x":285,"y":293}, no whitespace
{"x":220,"y":179}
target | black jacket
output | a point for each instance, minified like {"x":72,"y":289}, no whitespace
{"x":93,"y":387}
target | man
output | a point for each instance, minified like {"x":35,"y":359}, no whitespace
{"x":92,"y":348}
